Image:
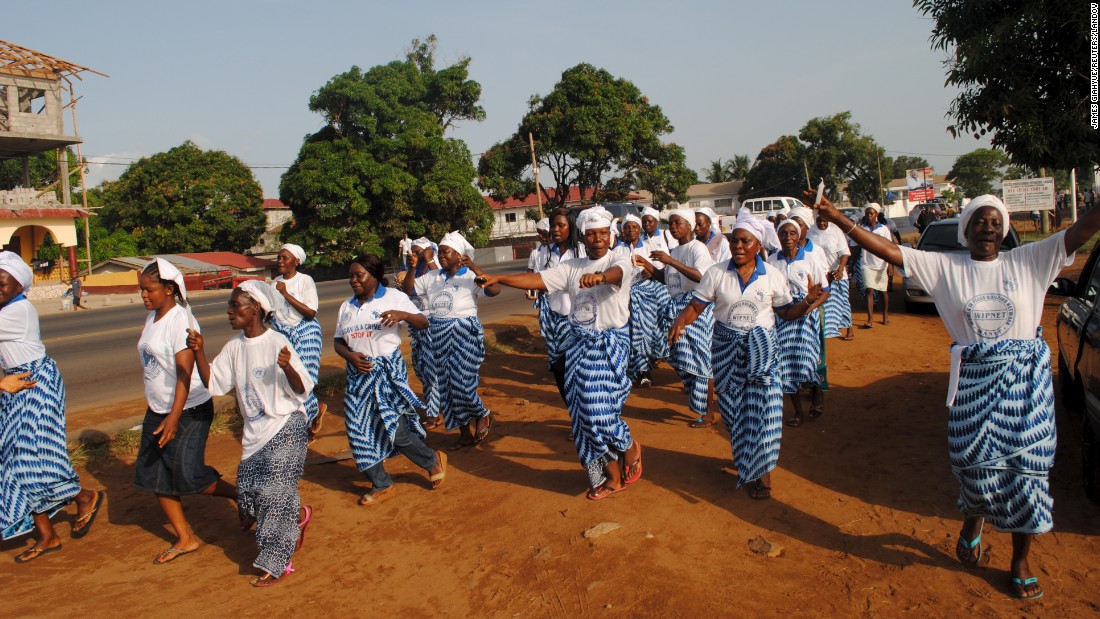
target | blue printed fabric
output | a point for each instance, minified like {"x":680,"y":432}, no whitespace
{"x":838,"y":309}
{"x":1001,"y":434}
{"x":554,"y":329}
{"x":420,"y":342}
{"x":36,"y":475}
{"x":458,"y":350}
{"x":649,"y":324}
{"x":596,"y":387}
{"x":306,"y":339}
{"x":373,"y":405}
{"x":799,"y":350}
{"x":267,"y":492}
{"x":690,"y":355}
{"x":747,"y":383}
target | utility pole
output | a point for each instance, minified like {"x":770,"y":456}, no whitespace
{"x":535,"y":166}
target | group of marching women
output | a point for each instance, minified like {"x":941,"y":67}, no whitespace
{"x":742,"y":320}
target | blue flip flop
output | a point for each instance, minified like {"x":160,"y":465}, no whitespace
{"x":1020,"y":588}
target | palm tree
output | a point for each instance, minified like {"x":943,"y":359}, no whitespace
{"x":738,"y":167}
{"x":715,"y":172}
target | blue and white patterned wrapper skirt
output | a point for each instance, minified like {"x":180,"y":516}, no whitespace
{"x":458,"y":350}
{"x":799,"y":350}
{"x":690,"y":355}
{"x":747,"y":383}
{"x":420,"y":343}
{"x":1001,"y":434}
{"x":554,"y":329}
{"x":596,"y":387}
{"x":649,"y":324}
{"x":373,"y":405}
{"x":838,"y":309}
{"x":36,"y":475}
{"x":267,"y":491}
{"x":306,"y":339}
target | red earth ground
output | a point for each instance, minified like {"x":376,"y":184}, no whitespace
{"x":863,"y":517}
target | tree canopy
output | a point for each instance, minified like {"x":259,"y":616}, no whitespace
{"x":974,"y":172}
{"x":734,"y":169}
{"x":382,"y":166}
{"x":43,"y":169}
{"x":186,"y":200}
{"x":593,"y":131}
{"x":1022,"y":67}
{"x":833,"y":148}
{"x":897,"y":168}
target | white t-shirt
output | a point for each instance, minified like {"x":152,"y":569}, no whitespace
{"x":406,"y":246}
{"x":628,"y":252}
{"x":157,"y":348}
{"x":360,"y":326}
{"x":662,"y":241}
{"x":869,"y":260}
{"x":449,"y":297}
{"x":989,"y":301}
{"x":808,"y":263}
{"x":559,"y":301}
{"x":718,"y":246}
{"x":20,"y":338}
{"x":743,"y":309}
{"x":693,"y":254}
{"x":600,"y":307}
{"x":537,"y":258}
{"x":302,"y":288}
{"x":264,"y":396}
{"x":832,"y":242}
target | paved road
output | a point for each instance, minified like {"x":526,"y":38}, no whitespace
{"x":97,"y":350}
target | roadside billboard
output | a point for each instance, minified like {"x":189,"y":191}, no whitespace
{"x":920,"y":182}
{"x":1028,"y":194}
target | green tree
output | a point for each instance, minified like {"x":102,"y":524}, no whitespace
{"x":716,"y":172}
{"x":593,"y":131}
{"x":778,"y":170}
{"x":186,"y":200}
{"x":43,"y":170}
{"x":837,"y":150}
{"x":1022,"y":70}
{"x":974,"y":172}
{"x":897,"y":168}
{"x":739,"y":167}
{"x":382,"y":166}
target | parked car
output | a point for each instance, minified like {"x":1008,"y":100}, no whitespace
{"x":760,"y":207}
{"x":618,"y":210}
{"x":1078,"y":326}
{"x":942,"y":236}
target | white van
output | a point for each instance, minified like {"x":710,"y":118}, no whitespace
{"x":760,"y":207}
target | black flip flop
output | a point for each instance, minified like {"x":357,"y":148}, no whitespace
{"x":82,"y":531}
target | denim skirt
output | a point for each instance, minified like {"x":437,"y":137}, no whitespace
{"x":179,"y":467}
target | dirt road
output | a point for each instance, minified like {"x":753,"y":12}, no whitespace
{"x":863,"y":516}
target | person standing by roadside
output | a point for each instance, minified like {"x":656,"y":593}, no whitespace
{"x":296,"y":318}
{"x":171,"y":457}
{"x":404,"y":248}
{"x":76,"y":286}
{"x":37,"y":474}
{"x":272,"y":385}
{"x":379,"y":407}
{"x":875,"y":270}
{"x":1001,"y":424}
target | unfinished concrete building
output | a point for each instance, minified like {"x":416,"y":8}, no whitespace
{"x":36,"y":93}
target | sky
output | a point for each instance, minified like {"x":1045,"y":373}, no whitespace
{"x":731,"y":76}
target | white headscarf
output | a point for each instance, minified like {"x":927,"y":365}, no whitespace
{"x":715,"y":225}
{"x":296,"y":251}
{"x":790,"y":221}
{"x":457,"y":242}
{"x":261,"y":292}
{"x":422,"y":243}
{"x":21,"y":271}
{"x":804,"y":215}
{"x":973,"y":206}
{"x":594,"y":218}
{"x":634,"y":218}
{"x":686,"y":214}
{"x":759,"y":228}
{"x":169,"y":272}
{"x":874,"y":206}
{"x":649,"y":211}
{"x":543,"y":224}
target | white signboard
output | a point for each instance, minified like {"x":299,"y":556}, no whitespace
{"x":1028,"y":194}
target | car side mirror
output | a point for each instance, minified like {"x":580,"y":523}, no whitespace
{"x":1062,"y":287}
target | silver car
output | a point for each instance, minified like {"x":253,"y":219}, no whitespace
{"x":942,"y":236}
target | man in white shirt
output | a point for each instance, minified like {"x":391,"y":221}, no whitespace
{"x":404,"y":247}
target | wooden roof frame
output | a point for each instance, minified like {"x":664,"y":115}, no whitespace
{"x":26,"y":62}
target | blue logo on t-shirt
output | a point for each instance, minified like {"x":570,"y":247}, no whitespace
{"x":584,"y":309}
{"x":990,"y":315}
{"x":443,"y":303}
{"x":152,"y":369}
{"x":253,"y":405}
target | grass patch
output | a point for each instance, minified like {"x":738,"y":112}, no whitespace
{"x":85,"y":453}
{"x":494,"y":346}
{"x":329,"y":386}
{"x":227,"y":421}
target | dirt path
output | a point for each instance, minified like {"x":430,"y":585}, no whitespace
{"x":863,"y":510}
